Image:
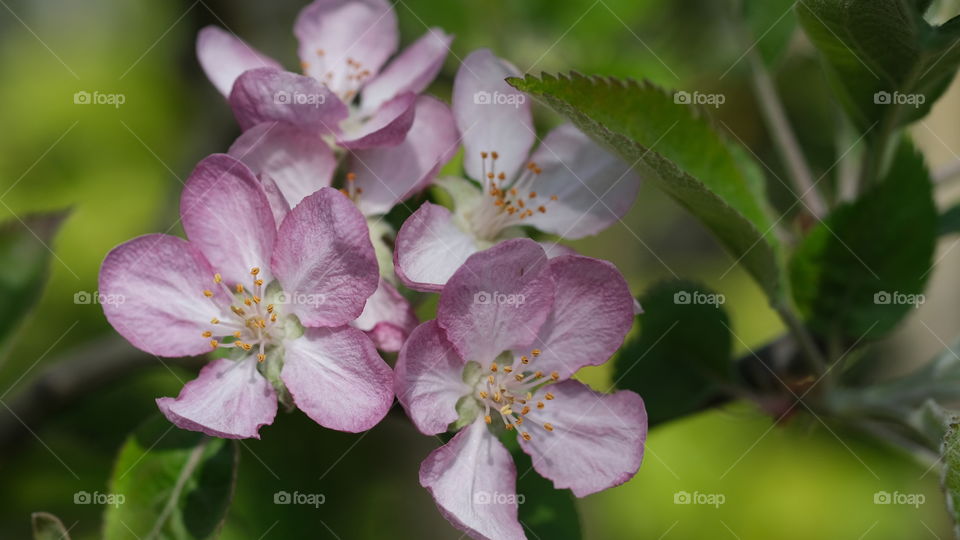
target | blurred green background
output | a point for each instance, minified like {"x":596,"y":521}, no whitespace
{"x":120,"y":169}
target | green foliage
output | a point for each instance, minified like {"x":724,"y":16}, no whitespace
{"x":545,"y":512}
{"x":852,"y":273}
{"x":678,"y":147}
{"x":48,"y":527}
{"x":25,"y":253}
{"x":950,"y":220}
{"x":771,"y":24}
{"x":682,"y":355}
{"x":175,"y":483}
{"x":873,"y":46}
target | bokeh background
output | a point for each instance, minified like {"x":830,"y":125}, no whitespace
{"x":120,"y":170}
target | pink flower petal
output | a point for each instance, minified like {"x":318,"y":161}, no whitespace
{"x":411,"y":71}
{"x":497,"y":300}
{"x":337,"y":378}
{"x":324,"y":260}
{"x":491,"y":115}
{"x":224,"y":57}
{"x":229,"y":399}
{"x":388,"y":125}
{"x":227,"y":216}
{"x":430,"y":248}
{"x":392,"y":174}
{"x":151,"y":291}
{"x":592,"y":313}
{"x":387,"y":318}
{"x":340,"y":39}
{"x":594,"y":188}
{"x":597,"y":439}
{"x":299,"y":162}
{"x":473,"y":480}
{"x":278,"y":203}
{"x":272,"y":95}
{"x":429,"y":379}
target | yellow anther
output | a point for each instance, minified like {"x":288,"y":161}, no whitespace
{"x":273,"y":318}
{"x":518,"y":377}
{"x":542,"y":209}
{"x":494,"y":155}
{"x":539,"y":404}
{"x":247,"y":302}
{"x":490,"y":379}
{"x":217,"y":278}
{"x":533,"y":194}
{"x":256,"y":299}
{"x":208,"y":293}
{"x":493,"y":366}
{"x":258,"y":283}
{"x":525,"y":435}
{"x":214,"y":343}
{"x":238,"y":311}
{"x":553,"y":197}
{"x":214,"y":321}
{"x":483,"y":395}
{"x":502,"y":176}
{"x":207,"y":334}
{"x":538,"y":374}
{"x":507,"y":369}
{"x":519,"y":422}
{"x":483,"y":155}
{"x":506,"y":410}
{"x":524,"y":360}
{"x":487,"y":419}
{"x":525,"y":410}
{"x":496,"y":397}
{"x":254,"y":271}
{"x":351,"y":176}
{"x":261,"y":357}
{"x":508,"y":427}
{"x":239,"y":288}
{"x":237,"y":334}
{"x":548,"y":426}
{"x":548,"y":396}
{"x":555,"y":376}
{"x":536,"y":352}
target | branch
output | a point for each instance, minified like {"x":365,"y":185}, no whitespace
{"x":71,"y":376}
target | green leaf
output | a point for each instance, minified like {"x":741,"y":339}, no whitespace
{"x":950,"y":221}
{"x":950,"y":480}
{"x":545,"y":512}
{"x":678,"y":148}
{"x":882,"y":46}
{"x":861,"y":270}
{"x":681,"y":357}
{"x":48,"y":527}
{"x":174,"y":483}
{"x":771,"y":24}
{"x":25,"y":254}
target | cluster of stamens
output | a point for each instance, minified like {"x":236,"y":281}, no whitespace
{"x":249,"y":323}
{"x":355,"y":78}
{"x":350,"y":188}
{"x":509,"y":391}
{"x":507,"y":203}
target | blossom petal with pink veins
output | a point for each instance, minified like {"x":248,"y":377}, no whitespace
{"x":392,"y":174}
{"x":497,"y":300}
{"x":226,"y":215}
{"x":298,"y":161}
{"x":491,"y":115}
{"x":387,"y":318}
{"x":153,"y":295}
{"x":278,"y":203}
{"x":429,"y":379}
{"x":388,"y":125}
{"x":555,"y":250}
{"x":324,"y":260}
{"x":342,"y":39}
{"x":411,"y":71}
{"x":337,"y":378}
{"x":472,"y":479}
{"x":274,"y":95}
{"x":429,"y":248}
{"x":597,"y":439}
{"x":593,"y":187}
{"x":224,"y":57}
{"x":229,"y":399}
{"x":592,"y":313}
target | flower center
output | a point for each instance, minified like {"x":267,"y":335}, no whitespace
{"x":512,"y":391}
{"x":353,"y":78}
{"x":350,"y":189}
{"x":505,"y":204}
{"x":248,"y":322}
